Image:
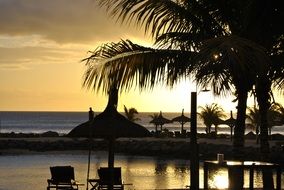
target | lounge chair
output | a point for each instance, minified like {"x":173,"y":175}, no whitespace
{"x":109,"y":178}
{"x":62,"y":178}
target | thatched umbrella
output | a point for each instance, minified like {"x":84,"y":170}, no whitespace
{"x":160,"y":120}
{"x":231,"y":122}
{"x":110,"y":125}
{"x":182,"y":119}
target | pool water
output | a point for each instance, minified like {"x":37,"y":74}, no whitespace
{"x":25,"y":172}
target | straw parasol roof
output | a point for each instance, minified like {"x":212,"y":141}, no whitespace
{"x":231,"y":122}
{"x":182,"y":119}
{"x":160,"y":120}
{"x":110,"y":125}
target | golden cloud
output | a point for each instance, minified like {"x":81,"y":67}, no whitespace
{"x":63,"y":21}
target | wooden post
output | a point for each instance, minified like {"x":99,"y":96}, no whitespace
{"x":251,"y":177}
{"x":205,"y":177}
{"x":278,"y":178}
{"x":231,"y":133}
{"x":111,"y":153}
{"x":111,"y":161}
{"x":194,"y":160}
{"x":236,"y":177}
{"x":91,"y":119}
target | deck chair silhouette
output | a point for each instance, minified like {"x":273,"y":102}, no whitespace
{"x":62,"y":178}
{"x":109,"y":178}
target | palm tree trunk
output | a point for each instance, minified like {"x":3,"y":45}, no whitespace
{"x":262,"y":93}
{"x":239,"y":130}
{"x":208,"y":130}
{"x":257,"y":134}
{"x":216,"y":129}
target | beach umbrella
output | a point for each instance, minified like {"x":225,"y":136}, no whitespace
{"x":182,"y":119}
{"x":160,"y":120}
{"x":110,"y":125}
{"x":231,"y":122}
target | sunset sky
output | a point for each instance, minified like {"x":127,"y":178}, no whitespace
{"x":41,"y":45}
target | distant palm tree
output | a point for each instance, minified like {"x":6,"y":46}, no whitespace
{"x":280,"y":110}
{"x":253,"y":117}
{"x":274,"y":117}
{"x":154,"y":117}
{"x":131,"y":114}
{"x":211,"y":115}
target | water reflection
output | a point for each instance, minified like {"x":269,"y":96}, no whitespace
{"x":151,"y":172}
{"x":160,"y":167}
{"x":218,"y":179}
{"x":32,"y":171}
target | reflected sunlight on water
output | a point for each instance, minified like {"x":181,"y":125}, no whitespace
{"x":32,"y":171}
{"x":219,"y":179}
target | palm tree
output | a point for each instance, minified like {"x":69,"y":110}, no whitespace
{"x":231,"y":64}
{"x":260,"y":26}
{"x":211,"y":115}
{"x":131,"y":114}
{"x":254,"y":119}
{"x":280,"y":110}
{"x":179,"y":28}
{"x":154,"y":117}
{"x":274,"y":117}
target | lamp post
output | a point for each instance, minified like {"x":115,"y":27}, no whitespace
{"x":194,"y":158}
{"x":194,"y":154}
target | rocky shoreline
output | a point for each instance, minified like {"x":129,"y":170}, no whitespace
{"x":164,"y":147}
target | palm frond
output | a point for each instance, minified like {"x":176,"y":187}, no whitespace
{"x":228,"y":60}
{"x":131,"y":113}
{"x":277,"y":72}
{"x":178,"y":40}
{"x":125,"y":64}
{"x":211,"y":114}
{"x":163,"y":16}
{"x":125,"y":110}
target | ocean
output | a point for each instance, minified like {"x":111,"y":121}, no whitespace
{"x":64,"y":122}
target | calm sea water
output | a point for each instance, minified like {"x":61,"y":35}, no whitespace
{"x":27,"y":172}
{"x":63,"y":122}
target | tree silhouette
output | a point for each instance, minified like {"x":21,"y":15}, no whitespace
{"x":211,"y":115}
{"x":179,"y":29}
{"x":131,"y":114}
